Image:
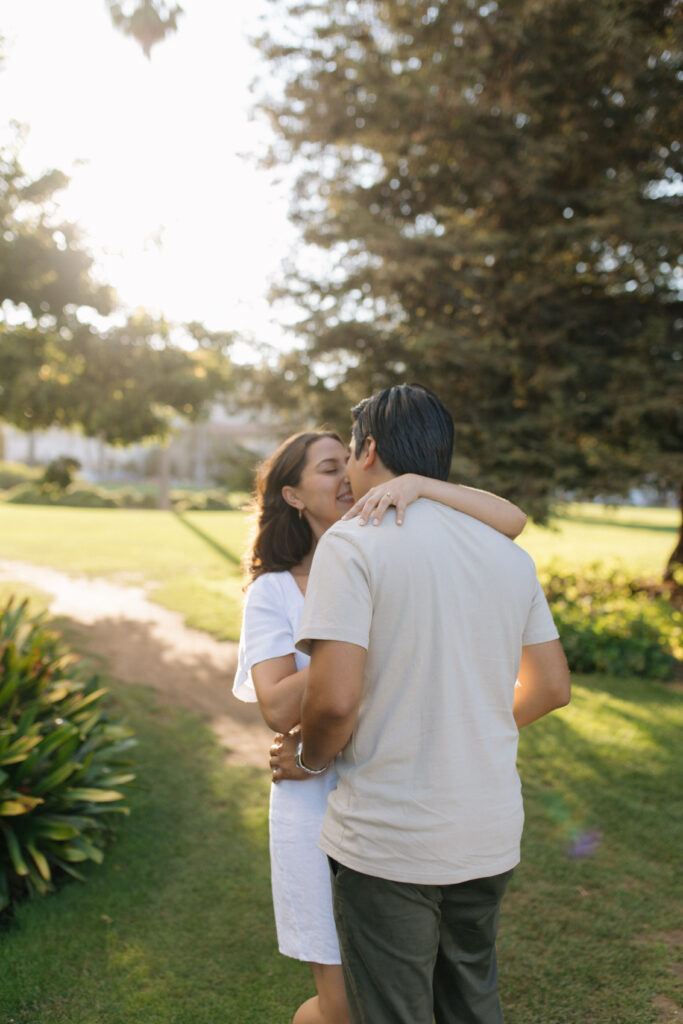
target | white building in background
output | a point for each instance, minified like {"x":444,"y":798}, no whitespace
{"x":195,"y":450}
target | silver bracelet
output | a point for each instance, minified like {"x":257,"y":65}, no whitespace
{"x":299,"y":763}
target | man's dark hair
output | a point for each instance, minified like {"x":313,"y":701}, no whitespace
{"x":412,"y":428}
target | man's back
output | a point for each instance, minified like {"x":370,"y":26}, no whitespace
{"x":428,"y":789}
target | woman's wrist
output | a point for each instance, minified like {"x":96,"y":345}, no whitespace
{"x":428,"y":487}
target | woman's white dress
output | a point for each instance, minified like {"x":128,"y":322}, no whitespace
{"x":302,"y":897}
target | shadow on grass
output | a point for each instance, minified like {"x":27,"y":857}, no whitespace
{"x":176,"y":925}
{"x":600,"y":858}
{"x":208,"y":539}
{"x":644,"y":525}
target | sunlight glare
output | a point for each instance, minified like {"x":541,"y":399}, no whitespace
{"x":179,"y":221}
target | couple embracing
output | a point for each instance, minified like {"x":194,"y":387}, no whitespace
{"x":430,"y":646}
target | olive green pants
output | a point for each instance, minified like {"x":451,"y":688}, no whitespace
{"x":416,"y":953}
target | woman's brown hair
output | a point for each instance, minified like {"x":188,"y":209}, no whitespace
{"x":281,"y":536}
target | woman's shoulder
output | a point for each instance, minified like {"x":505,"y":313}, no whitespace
{"x":268,"y":581}
{"x":272,"y":588}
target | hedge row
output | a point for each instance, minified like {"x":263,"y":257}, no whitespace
{"x":610,"y":623}
{"x":78,"y":495}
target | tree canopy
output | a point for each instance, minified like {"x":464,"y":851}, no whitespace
{"x":123,"y":381}
{"x":121,"y":384}
{"x":43,"y":263}
{"x":490,"y":191}
{"x":147,"y":21}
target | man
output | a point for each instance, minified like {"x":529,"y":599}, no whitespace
{"x":417,"y":637}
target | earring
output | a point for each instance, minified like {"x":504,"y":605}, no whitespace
{"x":301,"y":512}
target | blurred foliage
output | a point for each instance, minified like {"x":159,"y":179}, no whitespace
{"x":13,"y":473}
{"x":80,"y":495}
{"x":62,"y":759}
{"x":609,"y":623}
{"x":44,"y":265}
{"x":76,"y":495}
{"x":147,"y":21}
{"x":60,"y":472}
{"x":234,"y":467}
{"x":121,"y":382}
{"x":491,"y":192}
{"x":201,"y":501}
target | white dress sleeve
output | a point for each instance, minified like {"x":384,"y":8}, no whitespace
{"x":266,"y":631}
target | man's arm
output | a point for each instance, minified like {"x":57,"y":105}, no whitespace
{"x":543,"y":682}
{"x":331,"y":699}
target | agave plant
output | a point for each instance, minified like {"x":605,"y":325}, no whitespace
{"x":62,"y":759}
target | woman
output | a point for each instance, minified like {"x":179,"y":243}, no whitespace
{"x":302,"y":490}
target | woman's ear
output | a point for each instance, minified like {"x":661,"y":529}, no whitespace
{"x":289,"y":495}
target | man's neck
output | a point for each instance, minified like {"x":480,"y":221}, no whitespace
{"x":383,"y":476}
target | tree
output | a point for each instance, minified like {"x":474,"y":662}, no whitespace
{"x":147,"y":21}
{"x":492,"y":190}
{"x":121,"y":383}
{"x":43,"y":263}
{"x":45,"y":277}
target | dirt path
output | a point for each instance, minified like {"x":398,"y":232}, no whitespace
{"x":145,"y":643}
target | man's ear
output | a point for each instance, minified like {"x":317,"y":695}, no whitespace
{"x":290,"y":496}
{"x":369,"y":454}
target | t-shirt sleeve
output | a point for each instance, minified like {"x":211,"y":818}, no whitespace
{"x":539,"y":628}
{"x":338,"y":603}
{"x":266,"y":633}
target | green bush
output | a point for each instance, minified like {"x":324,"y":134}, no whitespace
{"x":200,"y":501}
{"x":13,"y":473}
{"x":75,"y":495}
{"x":131,"y":497}
{"x":30,"y":494}
{"x":234,"y":467}
{"x":60,"y":472}
{"x":79,"y":495}
{"x":82,"y":496}
{"x":610,"y":623}
{"x":62,"y":759}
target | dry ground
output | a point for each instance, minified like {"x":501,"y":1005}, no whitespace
{"x":142,"y":642}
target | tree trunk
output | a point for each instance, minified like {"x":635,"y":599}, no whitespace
{"x":200,"y":430}
{"x":31,"y":448}
{"x":101,"y":458}
{"x":163,"y":501}
{"x":676,"y":558}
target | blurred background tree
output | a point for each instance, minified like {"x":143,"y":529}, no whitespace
{"x":57,"y":367}
{"x":43,"y":263}
{"x":61,"y":362}
{"x":147,"y":21}
{"x":490,"y":193}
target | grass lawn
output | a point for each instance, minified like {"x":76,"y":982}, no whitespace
{"x":176,"y":926}
{"x":193,"y":559}
{"x":639,"y":539}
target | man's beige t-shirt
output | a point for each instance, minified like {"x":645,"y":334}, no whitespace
{"x":428,"y":789}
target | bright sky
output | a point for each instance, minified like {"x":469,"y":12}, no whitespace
{"x":178,"y":221}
